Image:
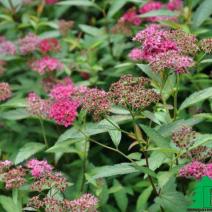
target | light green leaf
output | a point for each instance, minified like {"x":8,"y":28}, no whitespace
{"x":143,"y":199}
{"x":161,"y":12}
{"x":156,"y":137}
{"x":147,"y":70}
{"x":115,"y":7}
{"x":14,"y":103}
{"x":169,"y":86}
{"x":202,"y":13}
{"x":117,"y":169}
{"x":196,"y":97}
{"x":28,"y":150}
{"x":202,"y":139}
{"x":8,"y":204}
{"x":83,"y":3}
{"x":91,"y":30}
{"x":17,"y":114}
{"x":151,"y":116}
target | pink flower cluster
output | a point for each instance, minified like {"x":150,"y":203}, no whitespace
{"x":131,"y":17}
{"x":28,"y":44}
{"x":5,"y":91}
{"x":49,"y":45}
{"x":37,"y":106}
{"x":163,"y":49}
{"x":38,"y":168}
{"x":154,"y":40}
{"x":7,"y":47}
{"x":64,"y":111}
{"x":46,"y":64}
{"x":196,"y":169}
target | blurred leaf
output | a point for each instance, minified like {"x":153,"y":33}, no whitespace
{"x":115,"y":7}
{"x":84,"y":3}
{"x":14,"y":103}
{"x":91,"y":30}
{"x":169,"y":86}
{"x":17,"y":114}
{"x":28,"y":150}
{"x":8,"y":204}
{"x":202,"y":13}
{"x":196,"y":97}
{"x":161,"y":12}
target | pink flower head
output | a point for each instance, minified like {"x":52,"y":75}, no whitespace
{"x":175,"y":5}
{"x":64,"y":111}
{"x":137,"y":54}
{"x":131,"y":17}
{"x":46,"y":64}
{"x":51,"y":1}
{"x":154,"y":40}
{"x":62,"y":90}
{"x":4,"y":165}
{"x":28,"y":44}
{"x":5,"y":91}
{"x":196,"y":169}
{"x":38,"y":168}
{"x":49,"y":45}
{"x":7,"y":48}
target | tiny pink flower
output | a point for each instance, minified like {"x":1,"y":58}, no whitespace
{"x":5,"y":91}
{"x":51,"y":1}
{"x":131,"y":17}
{"x":7,"y":48}
{"x":175,"y":4}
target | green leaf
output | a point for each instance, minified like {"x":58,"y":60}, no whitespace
{"x":113,"y":130}
{"x":143,"y":199}
{"x":202,"y":139}
{"x":169,"y":86}
{"x":28,"y":150}
{"x":197,"y":97}
{"x":84,"y":3}
{"x":146,"y":170}
{"x":117,"y":169}
{"x":167,"y":129}
{"x":91,"y":30}
{"x":202,"y":13}
{"x":156,"y":137}
{"x":147,"y":70}
{"x":120,"y":196}
{"x":170,"y":199}
{"x":8,"y":204}
{"x":151,"y":116}
{"x":115,"y":7}
{"x":161,"y":12}
{"x":17,"y":114}
{"x":14,"y":103}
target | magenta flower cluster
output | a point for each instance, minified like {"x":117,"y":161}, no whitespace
{"x":38,"y":168}
{"x":196,"y":169}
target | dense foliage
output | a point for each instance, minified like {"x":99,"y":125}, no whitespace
{"x":104,"y":105}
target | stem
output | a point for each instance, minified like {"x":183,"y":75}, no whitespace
{"x":43,"y":132}
{"x":151,"y":180}
{"x":84,"y":166}
{"x":175,"y":98}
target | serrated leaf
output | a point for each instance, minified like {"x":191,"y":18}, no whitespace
{"x":196,"y":97}
{"x":169,"y":197}
{"x":28,"y":150}
{"x":202,"y":13}
{"x":156,"y":137}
